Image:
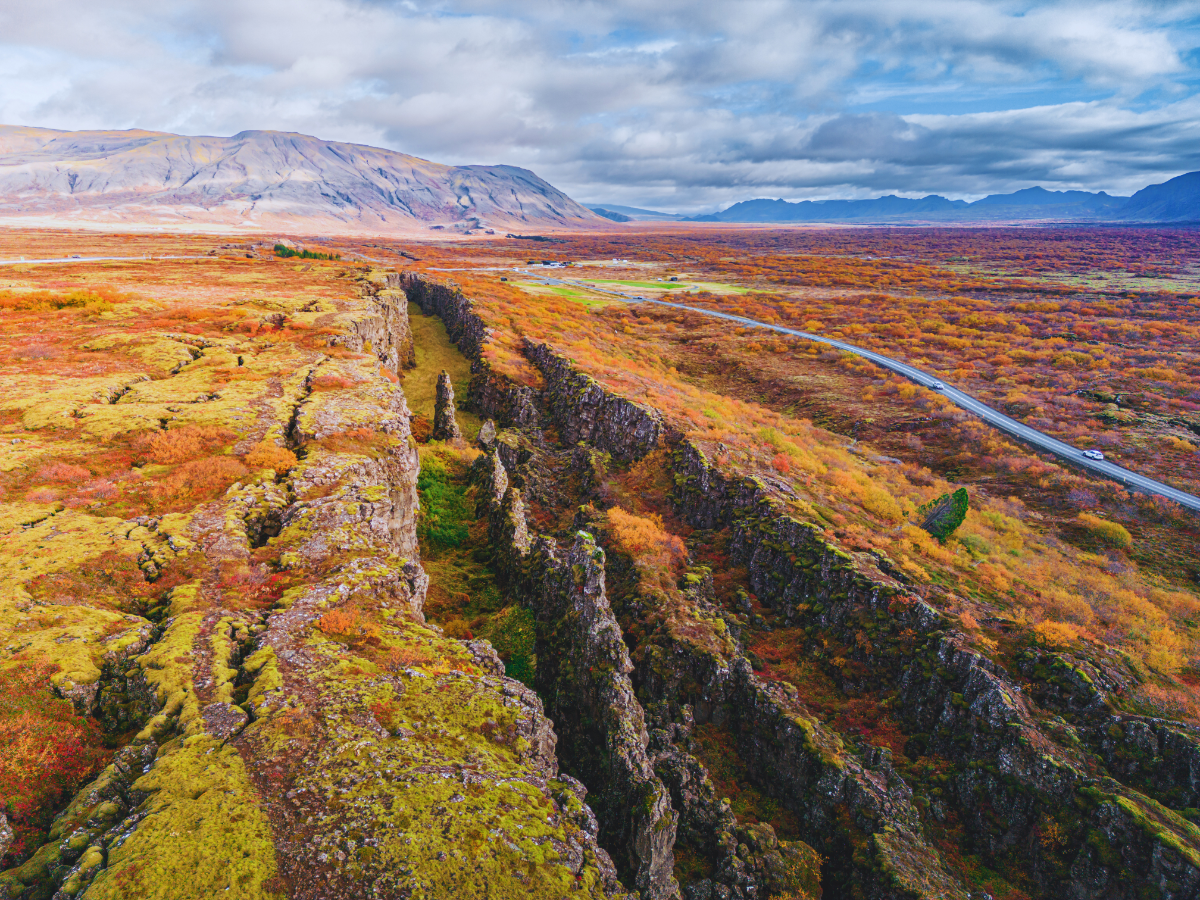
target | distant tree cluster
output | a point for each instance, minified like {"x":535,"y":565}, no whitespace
{"x":941,"y":517}
{"x":286,"y":252}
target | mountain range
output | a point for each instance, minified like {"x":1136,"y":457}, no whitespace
{"x":259,"y":180}
{"x":271,"y":180}
{"x":1177,"y":201}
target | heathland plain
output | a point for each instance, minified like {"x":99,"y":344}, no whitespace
{"x":686,"y":610}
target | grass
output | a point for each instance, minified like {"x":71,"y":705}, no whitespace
{"x":577,"y":295}
{"x":436,"y":352}
{"x":657,"y":285}
{"x":463,"y":595}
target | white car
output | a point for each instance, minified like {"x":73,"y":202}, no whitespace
{"x":938,"y":386}
{"x":1093,"y":454}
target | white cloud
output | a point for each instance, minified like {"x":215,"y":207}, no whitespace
{"x":683,"y":103}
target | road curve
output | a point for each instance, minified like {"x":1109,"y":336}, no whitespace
{"x":1042,"y":441}
{"x":1022,"y":432}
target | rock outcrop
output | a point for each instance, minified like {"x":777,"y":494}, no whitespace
{"x":583,"y":670}
{"x":445,"y":425}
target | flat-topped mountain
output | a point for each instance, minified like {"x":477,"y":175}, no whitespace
{"x":261,"y":179}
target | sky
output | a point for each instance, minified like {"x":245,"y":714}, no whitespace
{"x":682,"y":106}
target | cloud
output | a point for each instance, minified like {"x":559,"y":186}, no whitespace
{"x":686,"y":104}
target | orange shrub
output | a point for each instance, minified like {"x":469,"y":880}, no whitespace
{"x":182,"y":444}
{"x":1057,"y":634}
{"x":199,"y":480}
{"x":403,"y":657}
{"x":340,"y":621}
{"x":645,"y":540}
{"x":331,"y":383}
{"x":269,"y":455}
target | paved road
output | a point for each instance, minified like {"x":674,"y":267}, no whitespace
{"x":1073,"y":455}
{"x":83,"y":259}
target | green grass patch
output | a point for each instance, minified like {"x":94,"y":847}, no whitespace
{"x":577,"y":295}
{"x":464,"y":598}
{"x":658,"y":285}
{"x":435,"y":352}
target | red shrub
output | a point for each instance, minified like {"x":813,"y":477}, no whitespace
{"x":49,"y":752}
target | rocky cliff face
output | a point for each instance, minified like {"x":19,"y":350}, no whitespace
{"x":263,"y":178}
{"x":584,"y":671}
{"x":1028,"y":762}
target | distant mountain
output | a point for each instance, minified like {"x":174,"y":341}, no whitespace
{"x":261,"y":180}
{"x":640,"y":215}
{"x":831,"y":210}
{"x":609,"y":214}
{"x":1039,"y":196}
{"x":1177,"y":200}
{"x":1033,"y":203}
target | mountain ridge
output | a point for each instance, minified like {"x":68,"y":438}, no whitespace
{"x":1175,"y":200}
{"x":261,"y":179}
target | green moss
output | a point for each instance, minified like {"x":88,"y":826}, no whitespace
{"x":204,"y":835}
{"x":265,"y":667}
{"x":167,"y":666}
{"x":1164,"y":825}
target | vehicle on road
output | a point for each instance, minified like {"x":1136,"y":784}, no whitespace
{"x":938,"y":386}
{"x":1093,"y":454}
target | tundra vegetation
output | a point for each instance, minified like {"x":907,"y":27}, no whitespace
{"x":688,"y":610}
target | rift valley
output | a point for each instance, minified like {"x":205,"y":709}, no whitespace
{"x":455,"y":569}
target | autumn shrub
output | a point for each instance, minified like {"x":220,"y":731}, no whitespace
{"x":91,"y":301}
{"x":182,"y":444}
{"x":49,"y":752}
{"x":331,"y":383}
{"x":645,"y":539}
{"x":349,"y":626}
{"x":340,"y":621}
{"x":198,"y":480}
{"x":1111,"y":533}
{"x":1057,"y":634}
{"x":364,"y":441}
{"x":62,"y":473}
{"x":406,"y":656}
{"x":269,"y":455}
